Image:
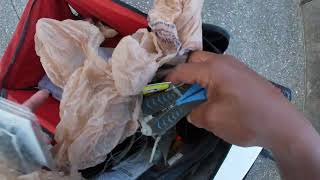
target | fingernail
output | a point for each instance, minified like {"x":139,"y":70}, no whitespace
{"x":189,"y":119}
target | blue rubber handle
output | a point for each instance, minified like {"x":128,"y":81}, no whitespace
{"x":195,"y":93}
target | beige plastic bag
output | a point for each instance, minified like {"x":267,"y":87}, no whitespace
{"x":178,"y":22}
{"x":49,"y":175}
{"x":63,"y":47}
{"x":101,"y":103}
{"x":7,"y":173}
{"x":176,"y":30}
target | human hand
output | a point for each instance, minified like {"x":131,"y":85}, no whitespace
{"x":243,"y":108}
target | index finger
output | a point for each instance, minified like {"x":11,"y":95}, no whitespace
{"x":200,"y":56}
{"x":191,"y":73}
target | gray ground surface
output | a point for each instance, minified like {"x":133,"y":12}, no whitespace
{"x":311,"y":12}
{"x":9,"y":19}
{"x":266,"y":35}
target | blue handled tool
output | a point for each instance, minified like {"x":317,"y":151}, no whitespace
{"x":164,"y":110}
{"x":195,"y":93}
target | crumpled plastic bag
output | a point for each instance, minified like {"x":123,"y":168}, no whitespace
{"x":178,"y":22}
{"x":49,"y":175}
{"x":101,"y":102}
{"x":176,"y":30}
{"x":7,"y":173}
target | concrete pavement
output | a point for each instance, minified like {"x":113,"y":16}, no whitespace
{"x":311,"y":14}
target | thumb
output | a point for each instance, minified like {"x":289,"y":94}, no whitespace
{"x":191,"y":73}
{"x":215,"y":116}
{"x":199,"y":115}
